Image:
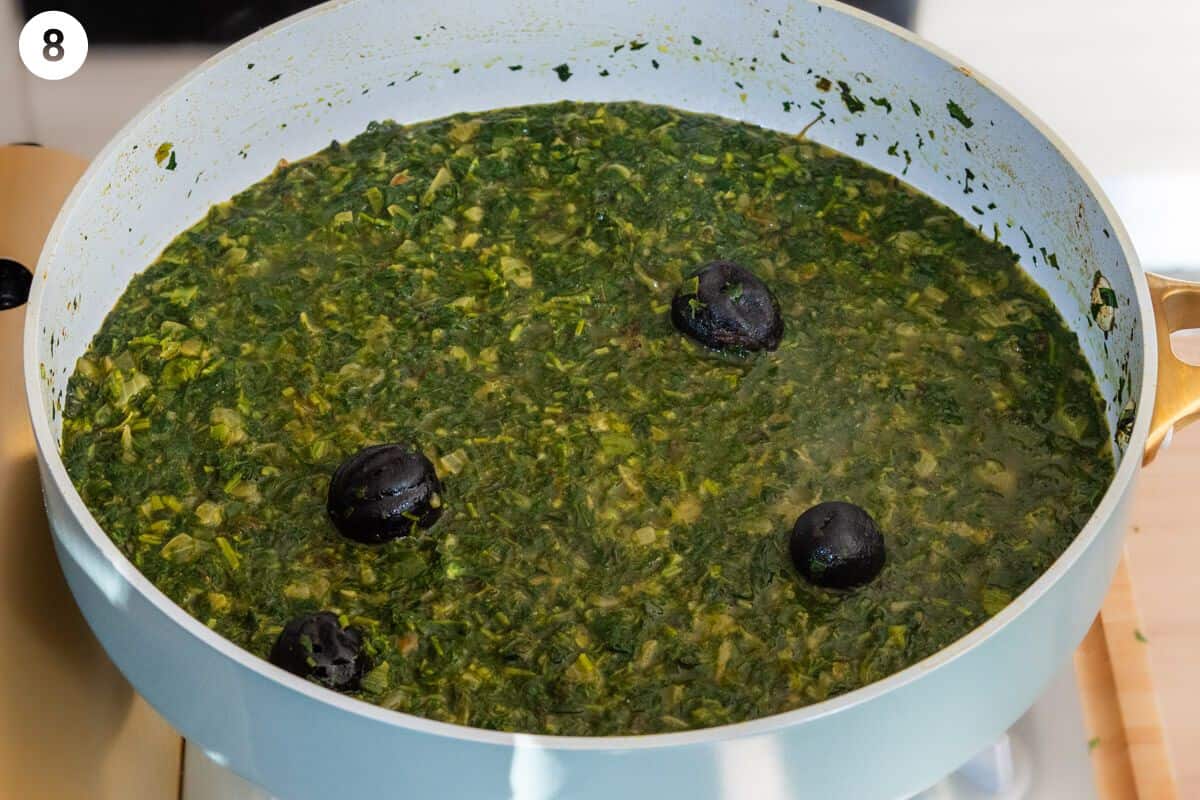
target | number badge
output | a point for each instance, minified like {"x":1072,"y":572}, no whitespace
{"x":53,"y":45}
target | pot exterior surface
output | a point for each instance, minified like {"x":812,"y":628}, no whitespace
{"x":889,"y":746}
{"x":874,"y":93}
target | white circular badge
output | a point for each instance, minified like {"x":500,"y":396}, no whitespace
{"x":53,"y":45}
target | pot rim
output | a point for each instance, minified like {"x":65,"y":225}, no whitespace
{"x":55,"y":468}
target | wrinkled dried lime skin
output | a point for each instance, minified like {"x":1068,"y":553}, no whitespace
{"x":383,"y":492}
{"x":837,"y":545}
{"x":724,"y":306}
{"x":317,"y":647}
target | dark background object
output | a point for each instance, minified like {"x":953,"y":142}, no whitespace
{"x":221,"y":21}
{"x":15,"y":281}
{"x":901,"y":12}
{"x":142,"y":22}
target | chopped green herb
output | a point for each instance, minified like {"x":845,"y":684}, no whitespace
{"x":231,"y":556}
{"x":376,"y":681}
{"x":956,"y":111}
{"x":853,"y":104}
{"x":994,"y":600}
{"x":1104,"y":303}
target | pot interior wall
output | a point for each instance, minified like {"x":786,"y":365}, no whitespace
{"x":328,"y":73}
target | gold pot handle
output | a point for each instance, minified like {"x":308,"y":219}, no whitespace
{"x":1177,"y":397}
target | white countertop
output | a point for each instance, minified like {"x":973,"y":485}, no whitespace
{"x":1116,"y":79}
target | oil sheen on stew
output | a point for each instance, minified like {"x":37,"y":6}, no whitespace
{"x":613,"y":553}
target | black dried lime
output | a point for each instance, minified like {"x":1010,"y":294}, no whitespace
{"x":837,"y":545}
{"x":317,"y":647}
{"x":726,"y":307}
{"x":384,"y":492}
{"x":15,"y":282}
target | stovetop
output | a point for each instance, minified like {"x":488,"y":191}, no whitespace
{"x":1045,"y":756}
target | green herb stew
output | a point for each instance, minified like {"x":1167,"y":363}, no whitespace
{"x":616,"y":500}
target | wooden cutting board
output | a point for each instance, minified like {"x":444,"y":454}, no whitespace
{"x":70,"y":725}
{"x":1127,"y":742}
